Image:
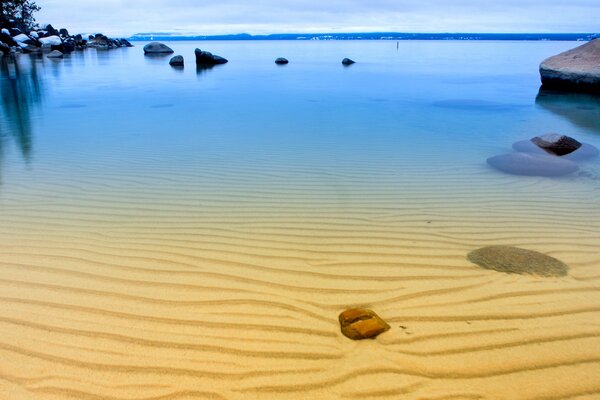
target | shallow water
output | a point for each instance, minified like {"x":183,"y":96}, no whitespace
{"x":194,"y":233}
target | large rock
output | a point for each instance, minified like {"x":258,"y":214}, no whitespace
{"x":51,"y":40}
{"x":531,"y":164}
{"x":577,"y":69}
{"x":7,"y":39}
{"x":205,"y":58}
{"x":176,"y":61}
{"x":157,"y":48}
{"x":360,"y":323}
{"x":347,"y":61}
{"x":23,"y":38}
{"x":514,"y":260}
{"x":281,"y":61}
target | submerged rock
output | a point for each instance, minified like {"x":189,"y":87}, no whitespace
{"x":281,"y":61}
{"x":360,"y":323}
{"x":157,"y":48}
{"x":556,"y":144}
{"x":347,"y":61}
{"x":176,"y":61}
{"x":531,"y":164}
{"x":55,"y":54}
{"x":577,"y":69}
{"x":207,"y":59}
{"x":513,"y":260}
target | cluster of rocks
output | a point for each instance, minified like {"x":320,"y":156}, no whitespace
{"x":547,"y":155}
{"x":204,"y":59}
{"x":53,"y":41}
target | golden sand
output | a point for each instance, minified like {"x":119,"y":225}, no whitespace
{"x":171,"y":288}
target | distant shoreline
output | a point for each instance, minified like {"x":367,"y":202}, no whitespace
{"x":394,"y":36}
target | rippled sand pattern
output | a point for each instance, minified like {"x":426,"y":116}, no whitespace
{"x":199,"y":281}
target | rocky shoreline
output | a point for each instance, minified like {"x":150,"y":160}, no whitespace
{"x":50,"y":40}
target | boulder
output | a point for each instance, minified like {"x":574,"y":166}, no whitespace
{"x":51,"y":30}
{"x":347,"y":61}
{"x":15,"y":31}
{"x":205,"y":58}
{"x":514,"y":260}
{"x":55,"y":54}
{"x":63,"y":32}
{"x":176,"y":61}
{"x":5,"y":31}
{"x":125,"y":42}
{"x":7,"y":39}
{"x":51,"y":40}
{"x":531,"y":164}
{"x":23,"y":38}
{"x":281,"y":61}
{"x":157,"y":48}
{"x":34,"y":35}
{"x":556,"y":144}
{"x":577,"y":69}
{"x":360,"y":323}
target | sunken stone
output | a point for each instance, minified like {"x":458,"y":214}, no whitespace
{"x":556,"y":144}
{"x":281,"y":61}
{"x":157,"y":48}
{"x":55,"y":54}
{"x":360,"y":323}
{"x":531,"y":164}
{"x":575,"y":70}
{"x":347,"y":61}
{"x":513,"y":260}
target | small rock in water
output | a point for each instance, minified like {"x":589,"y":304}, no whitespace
{"x":530,"y":164}
{"x":157,"y":48}
{"x":513,"y":260}
{"x":347,"y":61}
{"x":586,"y":151}
{"x":55,"y":54}
{"x":556,"y":144}
{"x":360,"y":323}
{"x":281,"y":61}
{"x":176,"y":61}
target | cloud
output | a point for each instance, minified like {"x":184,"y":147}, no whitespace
{"x":125,"y":17}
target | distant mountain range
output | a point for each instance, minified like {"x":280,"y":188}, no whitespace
{"x":373,"y":36}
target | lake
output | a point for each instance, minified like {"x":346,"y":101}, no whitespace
{"x":194,"y":233}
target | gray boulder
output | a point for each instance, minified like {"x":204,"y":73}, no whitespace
{"x":176,"y":61}
{"x":531,"y":164}
{"x":281,"y":61}
{"x":205,"y":58}
{"x":347,"y":61}
{"x":55,"y":54}
{"x":157,"y":48}
{"x":577,"y":69}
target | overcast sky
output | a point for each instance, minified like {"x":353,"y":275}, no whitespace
{"x":126,"y":17}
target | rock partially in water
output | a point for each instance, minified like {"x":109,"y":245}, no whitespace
{"x":347,"y":61}
{"x":586,"y":151}
{"x":360,"y":323}
{"x":556,"y":143}
{"x":176,"y":61}
{"x":157,"y":48}
{"x":530,"y":164}
{"x":281,"y":61}
{"x":577,"y":69}
{"x":55,"y":54}
{"x":513,"y":260}
{"x":205,"y":58}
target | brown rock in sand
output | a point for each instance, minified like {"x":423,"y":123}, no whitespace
{"x":514,"y":260}
{"x":360,"y":323}
{"x":557,"y":144}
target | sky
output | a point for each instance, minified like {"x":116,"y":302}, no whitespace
{"x":206,"y":17}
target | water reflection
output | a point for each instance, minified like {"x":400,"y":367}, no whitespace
{"x":21,"y":91}
{"x":580,"y":109}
